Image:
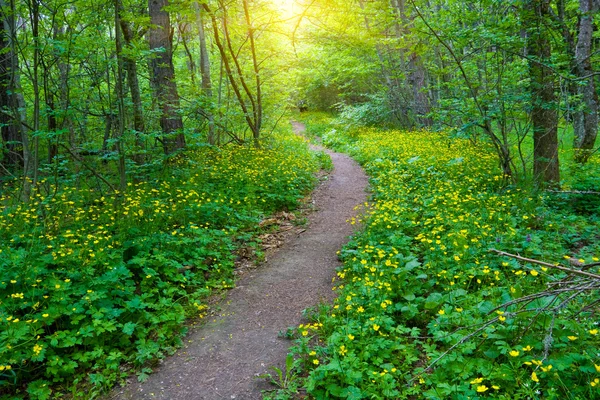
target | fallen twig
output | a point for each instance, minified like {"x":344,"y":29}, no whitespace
{"x":545,"y":264}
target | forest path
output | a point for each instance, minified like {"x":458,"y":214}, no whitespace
{"x":221,"y":359}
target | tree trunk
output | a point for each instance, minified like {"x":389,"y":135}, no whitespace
{"x":416,"y":73}
{"x":160,"y":38}
{"x":544,"y":113}
{"x":205,"y":73}
{"x":226,"y":50}
{"x":120,"y":95}
{"x":585,"y":120}
{"x":258,"y":112}
{"x":130,"y":65}
{"x":11,"y":154}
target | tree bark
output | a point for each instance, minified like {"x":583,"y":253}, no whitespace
{"x":258,"y":112}
{"x":416,"y":73}
{"x":544,"y":113}
{"x":130,"y":65}
{"x":160,"y":38}
{"x":205,"y":73}
{"x":12,"y":152}
{"x":585,"y":119}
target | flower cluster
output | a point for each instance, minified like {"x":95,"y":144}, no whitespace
{"x":420,"y":281}
{"x":90,"y":279}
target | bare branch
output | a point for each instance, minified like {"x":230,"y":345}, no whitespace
{"x":545,"y":264}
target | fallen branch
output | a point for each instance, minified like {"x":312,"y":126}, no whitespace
{"x":573,"y":191}
{"x":545,"y":264}
{"x":92,"y":170}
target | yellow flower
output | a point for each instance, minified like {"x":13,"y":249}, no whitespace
{"x":482,"y":388}
{"x":546,"y":369}
{"x":534,"y":377}
{"x":37,"y":349}
{"x":441,"y":312}
{"x":376,"y":327}
{"x":350,"y":336}
{"x":514,"y":353}
{"x":343,"y":350}
{"x":57,"y":286}
{"x":476,"y":381}
{"x":595,"y":382}
{"x":316,"y":362}
{"x":597,"y":368}
{"x":593,"y":331}
{"x":533,"y":272}
{"x":45,"y":315}
{"x":502,"y":318}
{"x":572,"y":337}
{"x":527,"y":348}
{"x":495,"y":387}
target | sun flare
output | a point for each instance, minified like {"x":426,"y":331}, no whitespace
{"x":287,"y":7}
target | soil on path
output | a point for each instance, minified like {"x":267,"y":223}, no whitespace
{"x":221,"y":359}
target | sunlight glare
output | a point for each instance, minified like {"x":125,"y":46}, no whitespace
{"x":288,"y":8}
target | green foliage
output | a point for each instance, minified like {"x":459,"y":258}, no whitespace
{"x":90,"y":282}
{"x":286,"y":380}
{"x":420,"y":289}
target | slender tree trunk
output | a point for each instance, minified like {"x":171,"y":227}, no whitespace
{"x":237,"y":87}
{"x":258,"y":112}
{"x":205,"y":73}
{"x":160,"y":38}
{"x":544,"y":113}
{"x":130,"y":66}
{"x":184,"y":32}
{"x":585,"y":121}
{"x":120,"y":95}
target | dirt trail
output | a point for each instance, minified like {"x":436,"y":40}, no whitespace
{"x":221,"y":359}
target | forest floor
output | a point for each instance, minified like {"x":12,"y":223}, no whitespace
{"x":222,"y":358}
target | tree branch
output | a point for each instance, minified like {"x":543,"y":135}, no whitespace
{"x":545,"y":264}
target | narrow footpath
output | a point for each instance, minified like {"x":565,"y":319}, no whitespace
{"x":221,"y":359}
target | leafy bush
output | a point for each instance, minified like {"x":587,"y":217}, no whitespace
{"x":424,"y":310}
{"x":375,"y":111}
{"x":90,"y":281}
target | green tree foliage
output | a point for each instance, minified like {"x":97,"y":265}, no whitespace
{"x":467,"y":66}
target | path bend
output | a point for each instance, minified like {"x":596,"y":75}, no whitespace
{"x":221,"y":358}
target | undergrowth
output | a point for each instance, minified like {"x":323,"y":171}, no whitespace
{"x":93,"y":282}
{"x":425,"y":310}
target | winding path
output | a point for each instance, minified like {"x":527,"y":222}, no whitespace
{"x":221,"y":358}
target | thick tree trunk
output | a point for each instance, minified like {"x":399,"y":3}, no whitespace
{"x":544,"y":113}
{"x":416,"y":74}
{"x":585,"y":120}
{"x":160,"y":38}
{"x":11,"y":154}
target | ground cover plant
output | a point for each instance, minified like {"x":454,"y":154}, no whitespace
{"x":90,"y":281}
{"x":425,"y":310}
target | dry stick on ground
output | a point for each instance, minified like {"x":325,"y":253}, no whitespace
{"x":545,"y":264}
